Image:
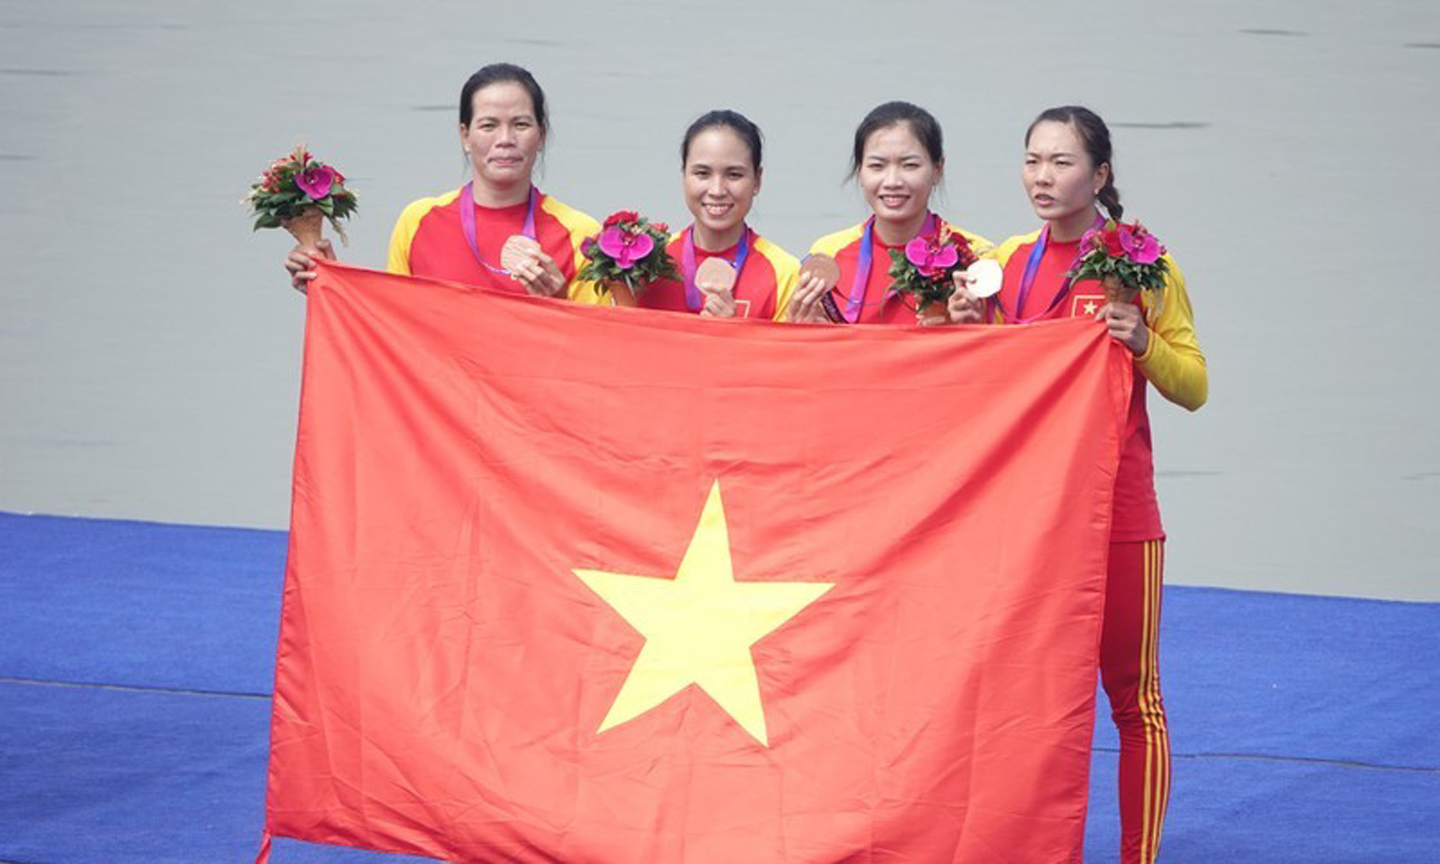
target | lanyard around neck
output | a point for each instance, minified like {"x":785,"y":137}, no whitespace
{"x":1032,"y":267}
{"x":688,"y":262}
{"x":861,"y":281}
{"x":467,"y":223}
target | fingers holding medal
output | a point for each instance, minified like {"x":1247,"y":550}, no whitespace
{"x":973,"y":285}
{"x":716,"y":277}
{"x":527,"y":263}
{"x":985,"y":278}
{"x":812,"y":302}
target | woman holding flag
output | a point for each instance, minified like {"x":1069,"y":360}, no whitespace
{"x":728,"y":270}
{"x":1068,"y":170}
{"x":498,"y":230}
{"x":898,"y":159}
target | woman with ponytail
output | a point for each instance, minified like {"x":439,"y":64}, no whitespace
{"x":720,"y":174}
{"x":1068,"y":172}
{"x":898,"y":160}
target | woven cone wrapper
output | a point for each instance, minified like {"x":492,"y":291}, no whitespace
{"x":935,"y":309}
{"x":620,"y":293}
{"x":1118,"y":292}
{"x":306,"y":228}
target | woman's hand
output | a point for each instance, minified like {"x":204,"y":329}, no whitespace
{"x":805,"y":302}
{"x":927,"y":319}
{"x":718,"y":303}
{"x":300,"y":263}
{"x":717,"y":286}
{"x":1127,"y":325}
{"x":715,"y":279}
{"x":964,"y":307}
{"x":540,"y":275}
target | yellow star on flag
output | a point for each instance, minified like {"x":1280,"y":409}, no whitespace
{"x":699,"y":626}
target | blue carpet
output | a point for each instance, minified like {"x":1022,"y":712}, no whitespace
{"x":93,"y":774}
{"x":137,"y":603}
{"x":136,"y":660}
{"x":1305,"y":677}
{"x":1236,"y":810}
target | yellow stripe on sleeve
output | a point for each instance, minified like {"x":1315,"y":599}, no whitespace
{"x":579,"y":226}
{"x":1007,"y":248}
{"x":398,"y":260}
{"x":787,"y":274}
{"x":831,"y":244}
{"x":1002,"y":255}
{"x":979,"y":245}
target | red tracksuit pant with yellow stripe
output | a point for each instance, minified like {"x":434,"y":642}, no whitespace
{"x":1129,"y":671}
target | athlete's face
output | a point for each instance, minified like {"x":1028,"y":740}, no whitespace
{"x":1059,"y":177}
{"x":897,"y":174}
{"x":503,"y":137}
{"x":720,"y":183}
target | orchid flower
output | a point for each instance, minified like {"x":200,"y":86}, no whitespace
{"x":930,"y":256}
{"x":1139,"y":244}
{"x":625,"y":247}
{"x":316,"y":182}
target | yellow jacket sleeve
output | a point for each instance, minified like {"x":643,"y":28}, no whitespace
{"x":1002,"y":254}
{"x":1172,"y":360}
{"x":398,"y":261}
{"x":979,"y":245}
{"x":579,"y":226}
{"x":787,"y":274}
{"x":403,"y":236}
{"x":785,"y":283}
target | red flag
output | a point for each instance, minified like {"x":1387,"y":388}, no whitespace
{"x":581,"y":584}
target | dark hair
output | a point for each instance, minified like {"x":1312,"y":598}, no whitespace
{"x":499,"y":73}
{"x":1095,"y":135}
{"x":724,"y":118}
{"x":922,"y":124}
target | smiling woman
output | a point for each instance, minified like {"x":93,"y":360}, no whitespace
{"x":728,"y":269}
{"x":498,"y":230}
{"x":898,"y":160}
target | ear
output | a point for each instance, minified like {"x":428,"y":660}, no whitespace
{"x":940,"y":170}
{"x":1102,"y":176}
{"x":463,"y":130}
{"x":759,"y":179}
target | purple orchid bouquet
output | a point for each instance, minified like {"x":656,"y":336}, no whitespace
{"x":627,"y":256}
{"x":925,"y":267}
{"x":297,"y":192}
{"x":1125,"y":257}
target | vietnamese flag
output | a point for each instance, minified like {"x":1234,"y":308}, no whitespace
{"x":580,"y":584}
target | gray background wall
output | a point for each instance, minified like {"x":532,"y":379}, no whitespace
{"x":149,"y":345}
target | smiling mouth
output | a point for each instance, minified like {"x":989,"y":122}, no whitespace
{"x":717,"y":209}
{"x":894,"y":201}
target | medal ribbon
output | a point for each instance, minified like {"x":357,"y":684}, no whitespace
{"x":860,"y":283}
{"x":1032,"y":266}
{"x":687,"y":261}
{"x":467,"y":223}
